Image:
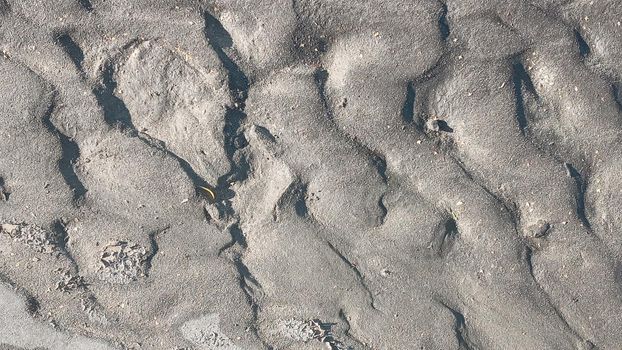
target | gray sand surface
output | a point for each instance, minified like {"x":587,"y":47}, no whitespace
{"x":310,"y":174}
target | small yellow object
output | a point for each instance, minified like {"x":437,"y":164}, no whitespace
{"x":210,"y":192}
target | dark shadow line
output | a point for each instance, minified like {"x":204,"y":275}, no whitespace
{"x":443,"y":26}
{"x":62,"y":242}
{"x":580,"y":197}
{"x":408,"y":109}
{"x":70,"y":152}
{"x":219,"y":39}
{"x":245,"y":275}
{"x":116,"y":113}
{"x":4,"y":192}
{"x":237,"y":237}
{"x":300,"y":204}
{"x":72,"y":49}
{"x":584,"y":48}
{"x":154,"y":248}
{"x":86,"y":4}
{"x":450,"y":233}
{"x":459,"y":327}
{"x":617,"y":96}
{"x":521,"y":79}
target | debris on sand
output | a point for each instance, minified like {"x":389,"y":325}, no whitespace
{"x":305,"y":331}
{"x":93,"y":310}
{"x":296,"y":330}
{"x":432,"y":125}
{"x":437,"y":125}
{"x":38,"y":238}
{"x":70,"y":283}
{"x":208,"y":192}
{"x":122,"y":262}
{"x":205,"y":332}
{"x":4,"y":194}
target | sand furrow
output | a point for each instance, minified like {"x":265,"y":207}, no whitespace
{"x":310,"y":174}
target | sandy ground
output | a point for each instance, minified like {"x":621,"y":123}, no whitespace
{"x":306,"y":174}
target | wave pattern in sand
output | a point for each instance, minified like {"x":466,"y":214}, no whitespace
{"x":307,"y":174}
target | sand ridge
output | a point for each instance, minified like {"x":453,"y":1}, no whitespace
{"x":309,"y":174}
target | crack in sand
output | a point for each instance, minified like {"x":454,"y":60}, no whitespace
{"x":357,"y":272}
{"x":460,"y":329}
{"x":377,"y":160}
{"x":581,"y":184}
{"x":521,"y":80}
{"x":219,"y":39}
{"x":154,"y":248}
{"x":305,"y":34}
{"x":528,"y":255}
{"x":408,"y":110}
{"x":443,"y":25}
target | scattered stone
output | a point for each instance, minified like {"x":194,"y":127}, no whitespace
{"x":437,"y":125}
{"x":94,"y":310}
{"x":305,"y":331}
{"x":296,"y":330}
{"x":70,"y":283}
{"x":41,"y":240}
{"x":122,"y":262}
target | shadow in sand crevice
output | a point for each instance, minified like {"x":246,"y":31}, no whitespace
{"x":221,"y":42}
{"x":5,"y":193}
{"x":86,"y":4}
{"x":72,"y":49}
{"x":584,"y":48}
{"x":617,"y":95}
{"x":580,"y":194}
{"x":117,"y":115}
{"x":522,"y":82}
{"x":460,"y":328}
{"x":408,"y":109}
{"x":70,"y":152}
{"x":357,"y":273}
{"x":443,"y":25}
{"x":115,"y":111}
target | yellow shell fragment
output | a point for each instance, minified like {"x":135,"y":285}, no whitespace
{"x":210,"y":192}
